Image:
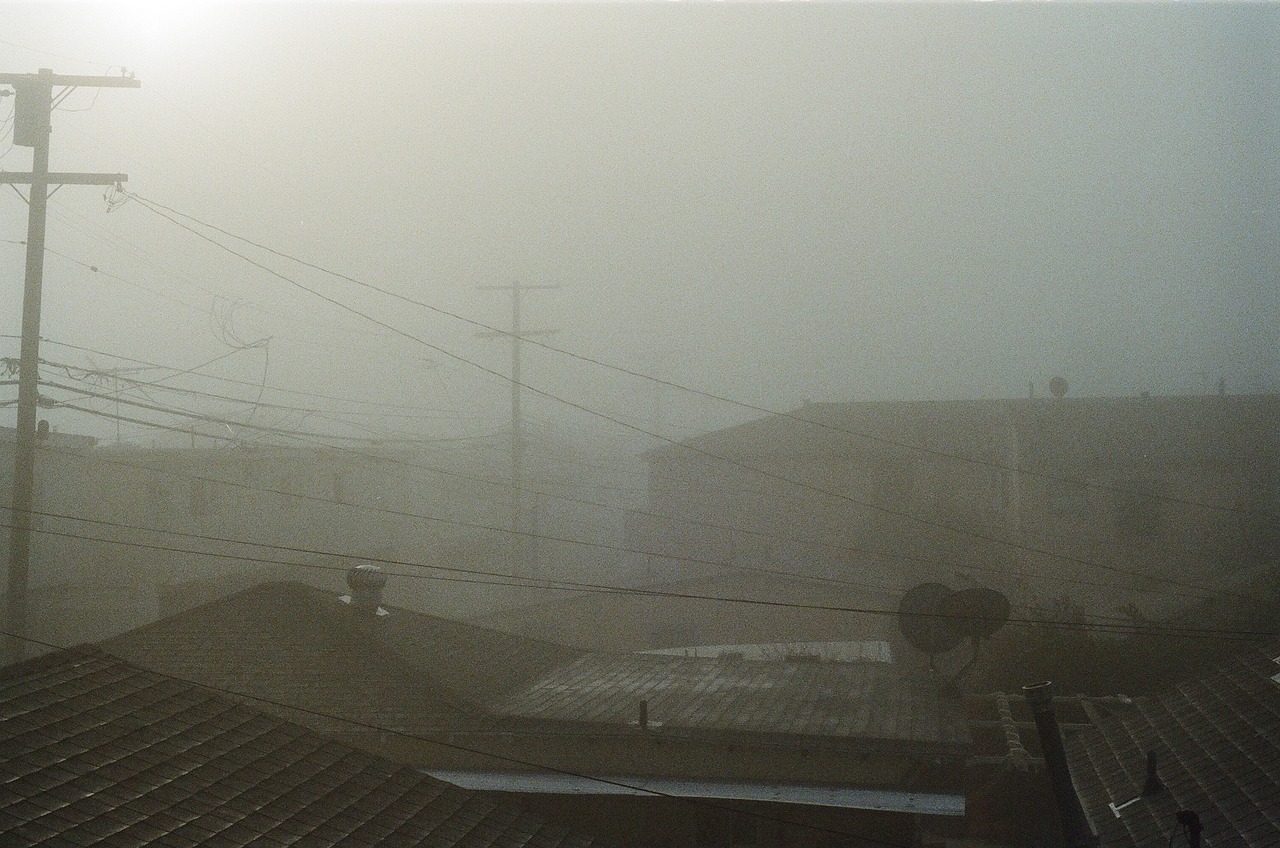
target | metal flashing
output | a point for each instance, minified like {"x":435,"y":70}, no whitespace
{"x":850,"y":798}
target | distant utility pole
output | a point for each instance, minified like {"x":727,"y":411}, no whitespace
{"x":516,"y":335}
{"x":32,"y":113}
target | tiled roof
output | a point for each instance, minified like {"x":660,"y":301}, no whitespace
{"x":867,"y":702}
{"x":1217,"y":744}
{"x":101,"y":752}
{"x":300,"y":645}
{"x":408,"y":671}
{"x":480,"y":662}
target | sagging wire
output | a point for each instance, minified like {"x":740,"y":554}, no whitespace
{"x":224,"y":329}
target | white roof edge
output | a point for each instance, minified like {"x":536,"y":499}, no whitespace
{"x":848,"y":651}
{"x":852,"y":798}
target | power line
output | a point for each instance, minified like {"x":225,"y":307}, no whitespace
{"x":218,"y":378}
{"x":118,"y":243}
{"x":294,"y":434}
{"x":690,"y":560}
{"x":197,"y":416}
{"x":328,"y":415}
{"x":493,"y":482}
{"x":384,"y":510}
{"x":54,"y":55}
{"x":671,"y":557}
{"x":776,"y":572}
{"x":701,"y":393}
{"x":518,"y":582}
{"x":96,"y":270}
{"x":986,"y":537}
{"x":490,"y":528}
{"x":864,"y":584}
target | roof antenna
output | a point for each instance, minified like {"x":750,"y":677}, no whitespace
{"x":1151,"y":787}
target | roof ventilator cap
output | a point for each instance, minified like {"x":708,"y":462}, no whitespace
{"x":366,"y":582}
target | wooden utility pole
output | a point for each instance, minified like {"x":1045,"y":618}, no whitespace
{"x":517,"y":442}
{"x":32,"y":124}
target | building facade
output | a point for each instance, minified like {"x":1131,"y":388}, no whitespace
{"x":125,"y":534}
{"x":1141,"y":504}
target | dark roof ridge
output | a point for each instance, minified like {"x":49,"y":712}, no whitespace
{"x":310,"y":599}
{"x":255,"y":589}
{"x":463,"y":622}
{"x":300,"y":591}
{"x":1044,"y":399}
{"x":456,"y":665}
{"x":50,"y":659}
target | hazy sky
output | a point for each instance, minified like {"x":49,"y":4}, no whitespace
{"x":778,"y":202}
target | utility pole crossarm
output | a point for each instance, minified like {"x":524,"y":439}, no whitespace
{"x":73,"y":80}
{"x":62,"y":178}
{"x":33,"y":108}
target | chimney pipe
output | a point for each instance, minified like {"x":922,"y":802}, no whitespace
{"x":366,"y":582}
{"x":644,"y":714}
{"x":1074,"y":823}
{"x":1153,"y":784}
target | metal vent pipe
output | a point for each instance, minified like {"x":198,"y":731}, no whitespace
{"x":1074,"y":823}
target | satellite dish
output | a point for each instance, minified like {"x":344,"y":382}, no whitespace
{"x":976,"y":613}
{"x":923,"y":622}
{"x":1058,"y":386}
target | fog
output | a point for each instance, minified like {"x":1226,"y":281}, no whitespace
{"x":287,"y":468}
{"x":771,"y":203}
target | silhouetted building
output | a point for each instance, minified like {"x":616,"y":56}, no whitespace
{"x":124,"y":534}
{"x":1105,"y":502}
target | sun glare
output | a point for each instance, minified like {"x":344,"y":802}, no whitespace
{"x":152,"y":20}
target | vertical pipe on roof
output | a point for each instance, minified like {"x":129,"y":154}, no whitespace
{"x":1074,"y":823}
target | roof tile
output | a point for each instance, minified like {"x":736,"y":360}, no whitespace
{"x":1217,"y":740}
{"x":134,"y":758}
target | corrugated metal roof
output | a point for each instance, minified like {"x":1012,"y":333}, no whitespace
{"x":863,"y":701}
{"x":849,"y":651}
{"x":844,"y":797}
